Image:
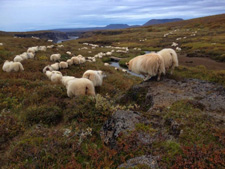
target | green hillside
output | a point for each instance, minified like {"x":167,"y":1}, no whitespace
{"x":180,"y":119}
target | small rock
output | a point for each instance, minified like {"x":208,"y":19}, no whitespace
{"x":137,"y":162}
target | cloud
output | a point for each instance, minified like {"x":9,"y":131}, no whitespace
{"x":23,"y":15}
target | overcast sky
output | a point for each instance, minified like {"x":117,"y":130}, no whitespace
{"x":26,"y":15}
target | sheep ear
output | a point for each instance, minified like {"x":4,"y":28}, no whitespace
{"x":127,"y":64}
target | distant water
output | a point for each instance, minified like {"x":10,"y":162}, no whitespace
{"x":70,"y":38}
{"x":146,"y":52}
{"x":116,"y":64}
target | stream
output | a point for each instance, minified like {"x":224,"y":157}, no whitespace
{"x":116,"y":64}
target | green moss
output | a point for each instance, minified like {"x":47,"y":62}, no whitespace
{"x":49,"y":115}
{"x":200,"y":72}
{"x":145,"y":128}
{"x":172,"y":149}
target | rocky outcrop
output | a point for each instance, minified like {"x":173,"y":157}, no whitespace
{"x":121,"y":122}
{"x":55,"y":36}
{"x":209,"y":96}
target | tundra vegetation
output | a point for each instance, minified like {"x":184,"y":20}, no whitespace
{"x":41,"y":127}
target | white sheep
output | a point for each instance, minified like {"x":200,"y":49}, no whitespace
{"x":66,"y":79}
{"x":32,"y":49}
{"x":50,"y":46}
{"x":178,"y":49}
{"x":18,"y":58}
{"x":124,"y":70}
{"x":42,"y":48}
{"x":55,"y":66}
{"x":30,"y":55}
{"x":80,"y":86}
{"x":106,"y":64}
{"x":48,"y":74}
{"x":170,"y":58}
{"x":96,"y":76}
{"x":10,"y":66}
{"x":63,"y":65}
{"x":47,"y":68}
{"x":1,"y":44}
{"x":69,"y":53}
{"x":83,"y":60}
{"x":75,"y":60}
{"x":56,"y":76}
{"x":108,"y":53}
{"x":174,"y":44}
{"x":148,"y":65}
{"x":70,"y":62}
{"x":55,"y":57}
{"x":24,"y":55}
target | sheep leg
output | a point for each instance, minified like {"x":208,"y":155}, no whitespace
{"x":147,"y":78}
{"x":69,"y":94}
{"x":171,"y":72}
{"x":158,"y":78}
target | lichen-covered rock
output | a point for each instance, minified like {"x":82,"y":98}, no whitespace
{"x":120,"y":123}
{"x":145,"y":161}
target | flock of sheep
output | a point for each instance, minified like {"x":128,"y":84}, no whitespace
{"x":75,"y":86}
{"x":152,"y":64}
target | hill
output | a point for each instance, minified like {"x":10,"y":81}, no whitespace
{"x":177,"y":122}
{"x":161,"y":21}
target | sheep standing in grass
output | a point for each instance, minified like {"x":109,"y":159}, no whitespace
{"x":42,"y":48}
{"x":68,"y":53}
{"x":55,"y":66}
{"x":170,"y":58}
{"x":66,"y":79}
{"x":47,"y":68}
{"x":83,"y":60}
{"x":30,"y":55}
{"x":148,"y":65}
{"x":48,"y":74}
{"x":70,"y":62}
{"x":178,"y":49}
{"x":80,"y":86}
{"x":55,"y":57}
{"x":106,"y":64}
{"x":24,"y":55}
{"x":32,"y":49}
{"x":63,"y":65}
{"x":10,"y":66}
{"x":96,"y":76}
{"x":56,"y":76}
{"x":18,"y":58}
{"x":75,"y":60}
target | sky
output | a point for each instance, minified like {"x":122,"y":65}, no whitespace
{"x":28,"y":15}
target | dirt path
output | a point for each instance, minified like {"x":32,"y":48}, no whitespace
{"x":195,"y":61}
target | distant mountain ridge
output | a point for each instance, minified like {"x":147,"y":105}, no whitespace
{"x":118,"y":26}
{"x":161,"y":21}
